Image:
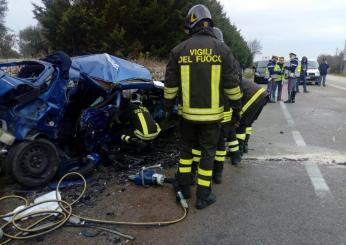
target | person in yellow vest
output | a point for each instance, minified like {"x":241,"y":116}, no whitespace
{"x":278,"y":80}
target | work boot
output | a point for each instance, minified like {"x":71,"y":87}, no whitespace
{"x":186,"y":191}
{"x":235,"y":158}
{"x":241,"y":147}
{"x":204,"y":197}
{"x":245,"y":148}
{"x":183,"y":183}
{"x":305,"y":91}
{"x":217,"y":172}
{"x":217,"y":178}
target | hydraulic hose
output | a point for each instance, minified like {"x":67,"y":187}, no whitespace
{"x":66,"y":216}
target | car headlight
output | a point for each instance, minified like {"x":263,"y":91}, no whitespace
{"x":257,"y":74}
{"x":5,"y":136}
{"x":317,"y":73}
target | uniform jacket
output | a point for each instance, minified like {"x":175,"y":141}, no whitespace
{"x":251,"y":93}
{"x":199,"y":72}
{"x":293,"y":68}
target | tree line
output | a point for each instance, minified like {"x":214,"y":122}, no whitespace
{"x":125,"y":28}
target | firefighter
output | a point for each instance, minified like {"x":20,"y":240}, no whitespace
{"x":143,"y":126}
{"x":199,"y":71}
{"x":293,"y":73}
{"x":253,"y":100}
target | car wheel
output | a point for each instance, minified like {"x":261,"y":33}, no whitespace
{"x":32,"y":163}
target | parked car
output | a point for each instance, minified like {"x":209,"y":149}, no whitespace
{"x":53,"y":111}
{"x":313,"y":74}
{"x":259,"y":70}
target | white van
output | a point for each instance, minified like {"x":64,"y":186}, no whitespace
{"x":313,"y":74}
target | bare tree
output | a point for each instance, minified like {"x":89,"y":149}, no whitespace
{"x":255,"y":47}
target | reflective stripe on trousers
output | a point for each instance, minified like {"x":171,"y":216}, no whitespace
{"x":204,"y":177}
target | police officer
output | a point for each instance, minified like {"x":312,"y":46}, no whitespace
{"x":143,"y":126}
{"x":293,"y":72}
{"x":199,"y":71}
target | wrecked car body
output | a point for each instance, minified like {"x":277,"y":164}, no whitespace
{"x":50,"y":119}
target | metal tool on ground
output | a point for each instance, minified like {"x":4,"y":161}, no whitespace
{"x":152,"y":175}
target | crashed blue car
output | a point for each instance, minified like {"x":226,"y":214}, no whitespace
{"x":58,"y":109}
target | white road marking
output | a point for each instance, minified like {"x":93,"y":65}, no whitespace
{"x":286,"y":113}
{"x":321,"y":188}
{"x":336,"y":86}
{"x":298,"y":138}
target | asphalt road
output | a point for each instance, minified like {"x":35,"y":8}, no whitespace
{"x":292,"y":187}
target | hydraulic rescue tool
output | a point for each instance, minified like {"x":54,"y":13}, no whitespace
{"x":154,"y":175}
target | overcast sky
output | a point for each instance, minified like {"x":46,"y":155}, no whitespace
{"x":307,"y":27}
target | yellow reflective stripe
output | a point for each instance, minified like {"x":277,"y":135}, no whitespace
{"x":196,"y":152}
{"x":148,"y":136}
{"x":227,"y":116}
{"x":143,"y":123}
{"x":125,"y":138}
{"x":234,"y":142}
{"x":221,"y":153}
{"x":226,"y":119}
{"x":171,"y":90}
{"x":185,"y":161}
{"x":185,"y":84}
{"x":201,"y":118}
{"x":184,"y":169}
{"x":196,"y":159}
{"x":235,"y":97}
{"x":203,"y":182}
{"x":169,"y":96}
{"x":252,"y":100}
{"x":220,"y":159}
{"x":233,"y":149}
{"x":203,"y":111}
{"x":170,"y":93}
{"x":227,"y":113}
{"x":232,"y":91}
{"x":206,"y":173}
{"x":241,"y":136}
{"x":215,"y":84}
{"x":249,"y":130}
